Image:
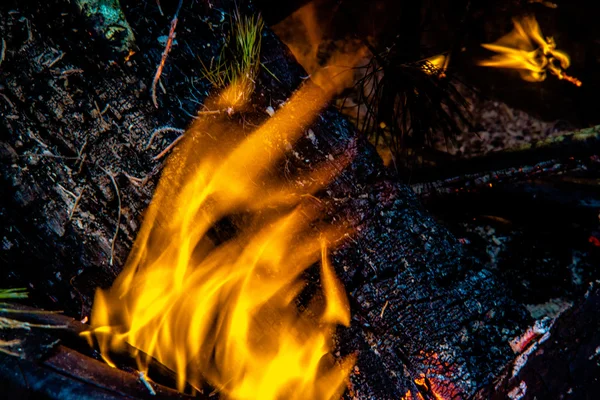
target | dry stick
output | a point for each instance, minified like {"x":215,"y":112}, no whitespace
{"x":144,"y":380}
{"x":162,"y":130}
{"x":57,"y":59}
{"x":5,"y":310}
{"x":72,"y":71}
{"x":9,"y":343}
{"x":168,"y":148}
{"x":3,"y":51}
{"x":76,"y":204}
{"x":5,"y":97}
{"x":9,"y":323}
{"x":165,"y":54}
{"x":467,"y":182}
{"x":114,"y":239}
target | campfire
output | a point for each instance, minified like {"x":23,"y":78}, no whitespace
{"x":314,"y":200}
{"x":227,"y":314}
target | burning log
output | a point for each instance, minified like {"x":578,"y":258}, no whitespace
{"x":427,"y":319}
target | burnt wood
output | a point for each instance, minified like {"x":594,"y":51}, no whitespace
{"x":564,"y":362}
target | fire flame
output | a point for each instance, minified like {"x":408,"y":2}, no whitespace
{"x":436,"y":65}
{"x":228,"y":313}
{"x":526,"y":50}
{"x":302,"y":32}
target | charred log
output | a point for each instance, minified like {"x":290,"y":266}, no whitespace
{"x":560,"y":361}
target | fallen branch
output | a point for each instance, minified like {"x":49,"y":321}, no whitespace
{"x":577,"y":144}
{"x":477,"y":181}
{"x":165,"y":54}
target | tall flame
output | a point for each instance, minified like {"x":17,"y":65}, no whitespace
{"x":303,"y":33}
{"x":526,"y":50}
{"x":228,"y":313}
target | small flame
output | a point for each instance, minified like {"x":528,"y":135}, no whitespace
{"x":227,"y":313}
{"x":526,"y":50}
{"x":302,"y":33}
{"x":436,"y":65}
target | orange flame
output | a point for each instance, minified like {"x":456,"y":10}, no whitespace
{"x":436,"y":65}
{"x":302,"y":33}
{"x":228,"y":314}
{"x":526,"y":50}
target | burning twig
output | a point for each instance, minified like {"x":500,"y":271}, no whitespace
{"x":526,"y":50}
{"x":165,"y":53}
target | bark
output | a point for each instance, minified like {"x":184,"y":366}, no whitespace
{"x":476,"y":182}
{"x":76,"y":177}
{"x":562,"y":362}
{"x":576,"y":145}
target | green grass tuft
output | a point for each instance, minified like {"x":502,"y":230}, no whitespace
{"x":17,"y":293}
{"x":239,"y":61}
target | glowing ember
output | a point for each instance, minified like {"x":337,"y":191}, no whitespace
{"x":227,"y":313}
{"x":526,"y":50}
{"x":428,"y":387}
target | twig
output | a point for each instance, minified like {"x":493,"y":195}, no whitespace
{"x":9,"y":343}
{"x":99,"y":112}
{"x":76,"y":204}
{"x":29,"y":34}
{"x":34,"y":137}
{"x":114,"y":239}
{"x":162,"y":130}
{"x":210,"y":112}
{"x":144,"y":380}
{"x":165,"y":54}
{"x":136,"y":181}
{"x":168,"y":148}
{"x":72,"y":71}
{"x":5,"y":97}
{"x":4,"y":309}
{"x":383,"y":309}
{"x":67,"y":191}
{"x":15,"y":324}
{"x":3,"y":51}
{"x":57,"y":59}
{"x":476,"y":181}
